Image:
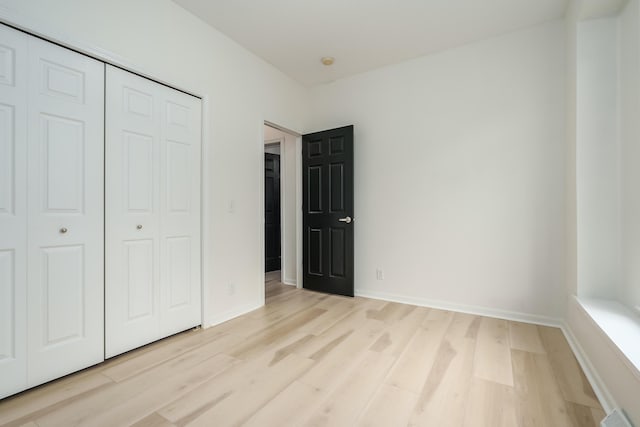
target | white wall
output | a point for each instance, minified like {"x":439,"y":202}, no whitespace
{"x":630,"y":150}
{"x":159,"y":37}
{"x":597,"y":159}
{"x":459,"y":171}
{"x":288,"y":162}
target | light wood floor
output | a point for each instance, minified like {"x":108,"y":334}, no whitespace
{"x":313,"y":359}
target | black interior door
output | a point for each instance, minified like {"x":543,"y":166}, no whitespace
{"x":327,"y":205}
{"x":271,"y":211}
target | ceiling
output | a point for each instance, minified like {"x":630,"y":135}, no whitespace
{"x":362,"y":35}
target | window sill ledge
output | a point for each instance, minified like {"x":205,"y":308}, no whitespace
{"x":619,"y":323}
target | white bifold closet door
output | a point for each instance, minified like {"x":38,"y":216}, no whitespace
{"x":51,"y":211}
{"x":13,"y":211}
{"x":153,"y":142}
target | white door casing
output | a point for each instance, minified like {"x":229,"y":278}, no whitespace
{"x":65,"y":211}
{"x":152,"y":211}
{"x":13,"y":211}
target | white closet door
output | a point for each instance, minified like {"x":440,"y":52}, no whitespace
{"x":132,"y":288}
{"x":66,"y":211}
{"x":180,"y":299}
{"x":13,"y":211}
{"x":152,"y":216}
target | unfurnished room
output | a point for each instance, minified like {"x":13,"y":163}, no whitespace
{"x":320,"y":213}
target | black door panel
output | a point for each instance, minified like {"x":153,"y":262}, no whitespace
{"x":272,"y":212}
{"x":327,"y":178}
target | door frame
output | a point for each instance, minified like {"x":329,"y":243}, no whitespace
{"x":47,"y":32}
{"x":298,"y":200}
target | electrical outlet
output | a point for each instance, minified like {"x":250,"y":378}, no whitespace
{"x":231,"y":289}
{"x":379,"y":274}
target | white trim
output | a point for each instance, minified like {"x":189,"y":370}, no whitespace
{"x":233,"y":313}
{"x":299,"y":240}
{"x":289,"y":282}
{"x":462,"y":308}
{"x":619,"y":353}
{"x":261,"y":214}
{"x":599,"y":387}
{"x":284,"y":219}
{"x":47,"y":32}
{"x":207,"y":268}
{"x":281,"y":128}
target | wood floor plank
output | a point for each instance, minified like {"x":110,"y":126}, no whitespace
{"x":584,"y":416}
{"x":293,"y":404}
{"x":114,"y":393}
{"x":172,"y":349}
{"x":394,"y":338}
{"x":573,"y":383}
{"x":336,"y":361}
{"x":193,"y":404}
{"x":153,"y":420}
{"x":337,"y":309}
{"x":42,"y":400}
{"x":130,"y":411}
{"x":390,"y":406}
{"x":598,"y":414}
{"x":413,"y":367}
{"x":137,"y":397}
{"x":493,"y":352}
{"x":443,"y":397}
{"x":348,"y":400}
{"x":356,"y":320}
{"x":258,"y":342}
{"x":249,"y":396}
{"x":538,"y":396}
{"x":491,"y":405}
{"x":525,"y":336}
{"x":391,"y":312}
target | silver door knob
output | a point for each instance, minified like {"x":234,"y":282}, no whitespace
{"x":346,"y":219}
{"x":63,"y":230}
{"x":139,"y":226}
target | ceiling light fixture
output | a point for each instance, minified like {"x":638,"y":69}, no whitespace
{"x":327,"y":60}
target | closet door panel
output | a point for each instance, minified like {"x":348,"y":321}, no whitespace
{"x":13,"y":211}
{"x":132,"y":212}
{"x":180,"y":201}
{"x":153,"y":211}
{"x":66,"y":211}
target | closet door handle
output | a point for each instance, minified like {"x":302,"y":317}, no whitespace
{"x":139,"y":227}
{"x":63,"y":230}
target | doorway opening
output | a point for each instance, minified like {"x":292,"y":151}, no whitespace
{"x":281,"y":171}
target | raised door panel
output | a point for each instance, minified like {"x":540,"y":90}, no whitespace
{"x":62,"y":290}
{"x":63,"y":166}
{"x":66,"y":211}
{"x":13,"y":211}
{"x":133,"y":146}
{"x":180,"y":204}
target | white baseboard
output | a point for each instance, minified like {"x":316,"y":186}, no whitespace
{"x":599,"y":387}
{"x":289,"y":282}
{"x":463,"y":308}
{"x":231,"y":314}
